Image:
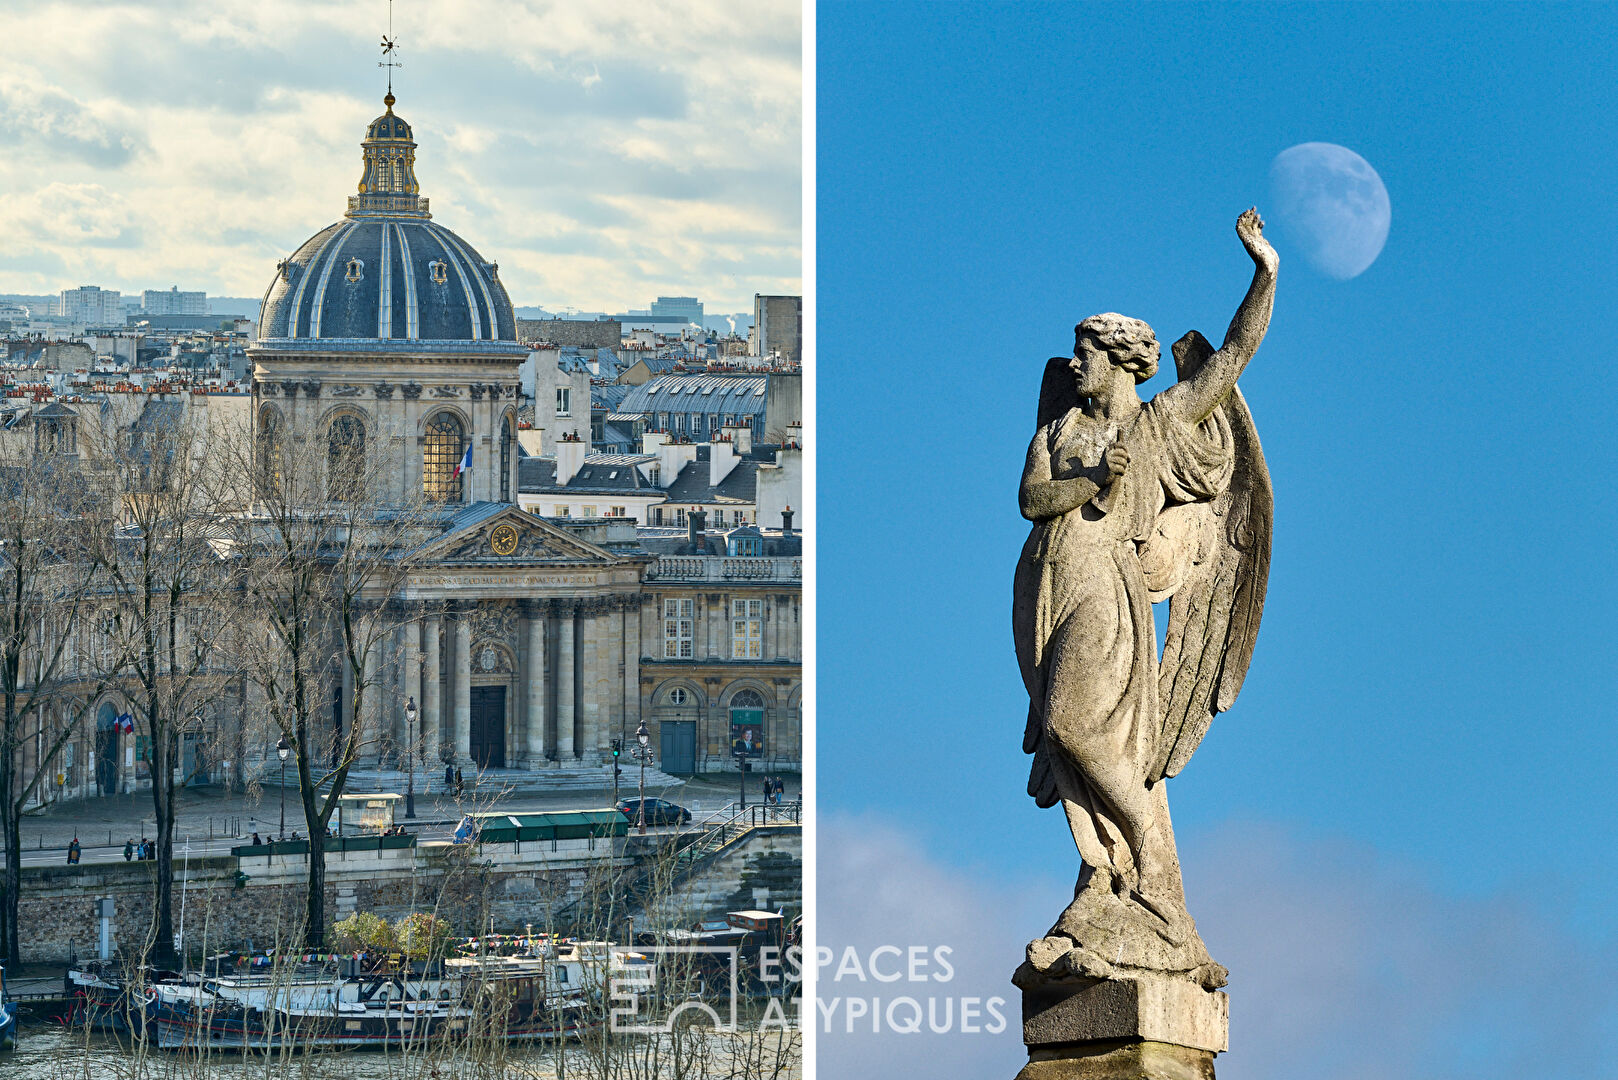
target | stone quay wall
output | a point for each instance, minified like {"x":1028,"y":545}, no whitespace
{"x":231,"y":903}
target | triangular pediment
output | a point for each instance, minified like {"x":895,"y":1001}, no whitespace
{"x":508,"y":536}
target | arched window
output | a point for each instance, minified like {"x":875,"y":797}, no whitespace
{"x":747,"y":699}
{"x":505,"y":460}
{"x":269,"y":450}
{"x":441,"y":458}
{"x":345,"y":458}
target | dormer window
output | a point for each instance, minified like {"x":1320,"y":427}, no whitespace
{"x":356,"y":271}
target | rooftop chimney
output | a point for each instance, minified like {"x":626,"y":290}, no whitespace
{"x":698,"y":522}
{"x":741,"y":435}
{"x":570,"y":451}
{"x":721,"y":460}
{"x":786,"y":521}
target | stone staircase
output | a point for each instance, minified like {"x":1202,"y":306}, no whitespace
{"x":578,"y":780}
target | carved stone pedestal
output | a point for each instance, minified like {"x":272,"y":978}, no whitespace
{"x":1136,"y":1028}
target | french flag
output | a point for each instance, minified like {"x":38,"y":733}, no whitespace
{"x":466,"y":462}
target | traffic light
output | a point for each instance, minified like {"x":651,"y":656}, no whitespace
{"x":617,"y":746}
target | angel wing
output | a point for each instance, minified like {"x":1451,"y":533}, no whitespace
{"x":1214,"y":614}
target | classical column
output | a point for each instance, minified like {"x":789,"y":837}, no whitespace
{"x":432,"y":706}
{"x":710,"y":622}
{"x":589,"y":649}
{"x":790,"y":626}
{"x":564,"y":683}
{"x":462,"y":667}
{"x":632,"y":653}
{"x":614,"y":696}
{"x":371,"y":741}
{"x":535,"y":719}
{"x":346,"y":676}
{"x":767,"y":651}
{"x":410,"y":662}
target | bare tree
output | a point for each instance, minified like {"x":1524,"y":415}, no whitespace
{"x":163,"y":573}
{"x":319,"y":561}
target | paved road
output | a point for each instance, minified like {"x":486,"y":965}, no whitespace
{"x":202,"y":812}
{"x":433,"y":827}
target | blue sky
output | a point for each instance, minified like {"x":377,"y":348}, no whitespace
{"x":1432,"y":695}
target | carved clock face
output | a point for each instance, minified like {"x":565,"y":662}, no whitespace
{"x":503,"y":540}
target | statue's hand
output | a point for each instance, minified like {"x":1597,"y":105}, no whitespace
{"x":1250,"y":227}
{"x":1116,"y":460}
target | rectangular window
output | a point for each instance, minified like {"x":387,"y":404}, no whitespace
{"x":616,"y":511}
{"x":563,"y":398}
{"x":588,"y":511}
{"x":679,"y":623}
{"x":657,"y":515}
{"x":746,"y":629}
{"x":561,"y":511}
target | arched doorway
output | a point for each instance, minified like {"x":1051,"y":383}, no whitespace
{"x":676,"y":708}
{"x":107,"y":749}
{"x":491,"y":675}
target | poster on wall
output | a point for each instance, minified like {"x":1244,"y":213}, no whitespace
{"x":746,"y":732}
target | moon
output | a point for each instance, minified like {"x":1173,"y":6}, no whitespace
{"x":1332,"y":205}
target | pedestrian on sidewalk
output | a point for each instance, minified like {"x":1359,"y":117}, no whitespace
{"x":73,"y":852}
{"x":449,"y":777}
{"x":129,"y":850}
{"x":780,"y":790}
{"x":256,"y":841}
{"x":458,"y":787}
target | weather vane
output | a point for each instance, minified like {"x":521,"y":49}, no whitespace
{"x":390,"y":50}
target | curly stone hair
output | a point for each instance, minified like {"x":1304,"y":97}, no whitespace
{"x":1128,"y":343}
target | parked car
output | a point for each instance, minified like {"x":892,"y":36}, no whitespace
{"x":658,"y":812}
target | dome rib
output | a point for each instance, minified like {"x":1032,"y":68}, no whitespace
{"x":319,"y":304}
{"x":451,"y":240}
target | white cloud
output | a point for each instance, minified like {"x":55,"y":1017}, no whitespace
{"x":603,"y":153}
{"x":1344,"y":966}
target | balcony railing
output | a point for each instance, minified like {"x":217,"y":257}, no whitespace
{"x":727,"y":568}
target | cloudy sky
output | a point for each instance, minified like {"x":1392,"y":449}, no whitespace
{"x":603,"y":153}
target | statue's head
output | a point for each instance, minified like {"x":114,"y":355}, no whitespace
{"x":1112,"y":340}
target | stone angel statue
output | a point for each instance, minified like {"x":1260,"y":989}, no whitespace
{"x":1133,"y":503}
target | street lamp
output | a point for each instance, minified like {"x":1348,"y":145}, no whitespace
{"x":410,"y":752}
{"x":282,"y":750}
{"x":643,"y":737}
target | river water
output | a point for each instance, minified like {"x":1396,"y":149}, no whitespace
{"x":54,"y":1053}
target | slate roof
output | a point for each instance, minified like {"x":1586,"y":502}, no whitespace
{"x":739,"y":486}
{"x":601,"y":474}
{"x":741,"y":395}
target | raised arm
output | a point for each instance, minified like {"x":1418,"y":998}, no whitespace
{"x":1199,"y":394}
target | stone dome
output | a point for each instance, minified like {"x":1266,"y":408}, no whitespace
{"x":386,"y":271}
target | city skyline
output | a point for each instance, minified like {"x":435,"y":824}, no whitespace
{"x":191,"y":145}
